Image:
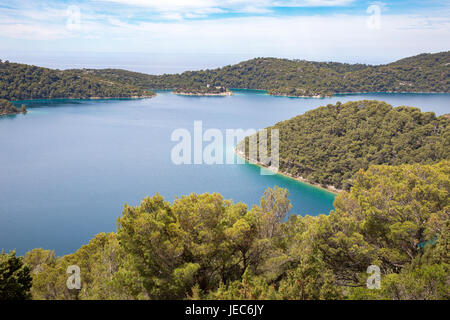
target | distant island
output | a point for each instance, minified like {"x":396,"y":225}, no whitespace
{"x":207,"y":90}
{"x":424,"y":73}
{"x":327,"y":146}
{"x":7,"y":108}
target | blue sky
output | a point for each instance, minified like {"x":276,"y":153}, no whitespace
{"x":339,"y":30}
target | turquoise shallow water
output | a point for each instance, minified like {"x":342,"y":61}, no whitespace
{"x":68,"y":166}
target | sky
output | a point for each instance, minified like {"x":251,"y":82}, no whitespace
{"x":69,"y":33}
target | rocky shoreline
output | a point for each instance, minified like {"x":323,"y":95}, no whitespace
{"x":105,"y":98}
{"x":11,"y":113}
{"x":91,"y":98}
{"x":328,"y":188}
{"x":290,"y":96}
{"x":348,"y":93}
{"x":227,"y":93}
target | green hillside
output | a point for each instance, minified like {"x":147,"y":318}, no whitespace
{"x":330,"y":144}
{"x":422,"y":73}
{"x":22,"y":82}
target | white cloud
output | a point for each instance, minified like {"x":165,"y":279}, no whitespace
{"x":338,"y":37}
{"x":33,"y":31}
{"x":312,"y":3}
{"x":245,"y":6}
{"x":171,"y":16}
{"x":253,"y":9}
{"x":304,"y":33}
{"x":344,"y":37}
{"x":168,"y":5}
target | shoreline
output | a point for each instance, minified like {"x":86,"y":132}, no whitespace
{"x":88,"y":98}
{"x":328,"y":188}
{"x":293,"y":96}
{"x":206,"y":94}
{"x":401,"y":92}
{"x":11,"y":113}
{"x":110,"y":98}
{"x":352,"y":93}
{"x":289,"y":96}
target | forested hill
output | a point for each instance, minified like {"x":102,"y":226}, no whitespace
{"x":21,"y":81}
{"x":422,"y":73}
{"x":330,"y":144}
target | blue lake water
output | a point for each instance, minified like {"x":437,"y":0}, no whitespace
{"x":68,"y":166}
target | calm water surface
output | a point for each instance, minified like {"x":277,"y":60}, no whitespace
{"x":68,"y":166}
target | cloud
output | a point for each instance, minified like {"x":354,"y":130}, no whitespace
{"x":172,"y":16}
{"x":315,"y":37}
{"x":312,"y":3}
{"x":163,"y":5}
{"x":294,"y":33}
{"x":192,"y":8}
{"x":253,"y":9}
{"x":33,"y":31}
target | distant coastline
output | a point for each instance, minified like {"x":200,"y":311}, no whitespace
{"x":132,"y":97}
{"x":350,"y":93}
{"x":335,"y":94}
{"x":89,"y":98}
{"x":290,"y":96}
{"x":276,"y":76}
{"x":226,"y":93}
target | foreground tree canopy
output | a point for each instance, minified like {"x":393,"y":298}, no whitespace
{"x":15,"y":278}
{"x":202,"y":246}
{"x":328,"y":145}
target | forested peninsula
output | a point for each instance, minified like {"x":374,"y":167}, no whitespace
{"x":299,"y":78}
{"x":25,"y":82}
{"x":7,"y":107}
{"x":328,"y":145}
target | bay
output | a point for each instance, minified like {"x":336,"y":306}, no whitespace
{"x":68,"y":166}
